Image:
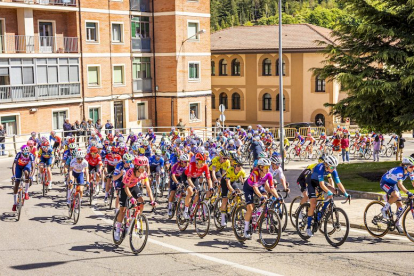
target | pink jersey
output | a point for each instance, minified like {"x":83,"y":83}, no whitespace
{"x":130,"y":180}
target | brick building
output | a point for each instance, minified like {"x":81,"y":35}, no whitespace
{"x":245,"y":75}
{"x":134,"y":62}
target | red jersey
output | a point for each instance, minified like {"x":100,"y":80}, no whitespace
{"x":193,"y":171}
{"x":112,"y":159}
{"x":93,"y":161}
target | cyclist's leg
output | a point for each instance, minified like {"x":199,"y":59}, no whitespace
{"x":19,"y":172}
{"x":26,"y":171}
{"x":311,"y":187}
{"x":248,"y":192}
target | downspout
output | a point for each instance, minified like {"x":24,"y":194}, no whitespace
{"x":81,"y":61}
{"x":110,"y":55}
{"x":155,"y":74}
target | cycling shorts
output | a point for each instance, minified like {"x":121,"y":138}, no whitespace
{"x":135,"y":191}
{"x":46,"y":161}
{"x":79,"y":178}
{"x":56,"y":145}
{"x":182,"y":178}
{"x":20,"y":169}
{"x":155,"y":168}
{"x":110,"y":169}
{"x":249,"y":193}
{"x":390,"y":188}
{"x":95,"y":168}
{"x":225,"y":190}
{"x":312,"y":186}
{"x":302,"y":179}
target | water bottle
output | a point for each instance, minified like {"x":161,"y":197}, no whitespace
{"x":319,"y":216}
{"x":259,"y":212}
{"x":399,"y":210}
{"x":254,"y":218}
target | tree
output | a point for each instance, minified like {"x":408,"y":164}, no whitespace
{"x":373,"y":59}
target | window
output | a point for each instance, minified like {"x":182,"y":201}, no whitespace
{"x":192,"y":30}
{"x":213,"y":101}
{"x":235,"y":101}
{"x":119,"y":75}
{"x":193,"y":71}
{"x":140,"y":27}
{"x":194,"y":111}
{"x":93,"y":75}
{"x":267,"y":102}
{"x":58,"y":119}
{"x":267,"y":67}
{"x":10,"y":124}
{"x":213,"y":68}
{"x":223,"y":99}
{"x":283,"y":67}
{"x":320,"y":84}
{"x":278,"y":103}
{"x":92,"y":31}
{"x":141,"y":110}
{"x":141,"y":68}
{"x":223,"y":67}
{"x":94,"y":114}
{"x":320,"y":120}
{"x":117,"y":32}
{"x":235,"y":67}
{"x":62,"y":70}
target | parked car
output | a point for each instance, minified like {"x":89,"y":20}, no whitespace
{"x":300,"y":125}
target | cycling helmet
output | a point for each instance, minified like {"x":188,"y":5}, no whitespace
{"x":249,"y":135}
{"x":71,"y":140}
{"x":115,"y":149}
{"x":25,"y":149}
{"x":106,"y":142}
{"x":134,"y":147}
{"x":72,"y":146}
{"x":276,"y":154}
{"x":409,"y":161}
{"x":141,"y":161}
{"x":224,"y":153}
{"x":184,"y":158}
{"x":45,"y":144}
{"x":249,"y":127}
{"x":231,"y":142}
{"x":332,"y":161}
{"x":264,"y":162}
{"x":122,"y":145}
{"x":150,"y":130}
{"x":177,"y":141}
{"x":93,"y":150}
{"x":131,"y":134}
{"x":141,"y":150}
{"x":80,"y":154}
{"x":276,"y":160}
{"x":233,"y":155}
{"x":200,"y":156}
{"x":99,"y":146}
{"x":110,"y":137}
{"x":128,"y":157}
{"x":30,"y":143}
{"x":236,"y":137}
{"x":321,"y":158}
{"x":263,"y":155}
{"x":237,"y":161}
{"x":53,"y":132}
{"x":33,"y":134}
{"x":120,"y":139}
{"x":145,"y":143}
{"x":167,"y":143}
{"x":158,"y":152}
{"x":92,"y":143}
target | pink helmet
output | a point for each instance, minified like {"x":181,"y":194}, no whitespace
{"x":30,"y":143}
{"x":141,"y":161}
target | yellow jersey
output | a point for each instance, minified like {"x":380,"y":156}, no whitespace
{"x":232,"y":176}
{"x":216,"y":165}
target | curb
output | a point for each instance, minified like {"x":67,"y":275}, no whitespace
{"x":368,"y":195}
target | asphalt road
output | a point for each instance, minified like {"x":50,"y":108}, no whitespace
{"x":43,"y":242}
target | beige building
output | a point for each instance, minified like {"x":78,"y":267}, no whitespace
{"x":245,"y":75}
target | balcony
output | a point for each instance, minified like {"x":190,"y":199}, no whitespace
{"x":141,"y":44}
{"x":23,"y":44}
{"x":142,"y":85}
{"x":70,"y":3}
{"x":140,"y":5}
{"x":38,"y":92}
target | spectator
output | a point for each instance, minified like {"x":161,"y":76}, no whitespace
{"x":377,"y":148}
{"x":67,"y":128}
{"x":77,"y":130}
{"x":193,"y":115}
{"x":400,"y":148}
{"x":84,"y":128}
{"x":108,"y":127}
{"x":98,"y":125}
{"x":180,"y":127}
{"x":336,"y":145}
{"x":2,"y":140}
{"x":89,"y":126}
{"x":319,"y":122}
{"x":345,"y":148}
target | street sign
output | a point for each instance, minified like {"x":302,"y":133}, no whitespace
{"x":222,"y":108}
{"x":222,"y":117}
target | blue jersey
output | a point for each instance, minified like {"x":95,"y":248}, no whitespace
{"x":153,"y":161}
{"x":120,"y":167}
{"x":103,"y":154}
{"x":66,"y":154}
{"x":173,"y":159}
{"x":46,"y":154}
{"x":319,"y":173}
{"x":231,"y":147}
{"x":301,"y":139}
{"x":148,"y":152}
{"x":396,"y":174}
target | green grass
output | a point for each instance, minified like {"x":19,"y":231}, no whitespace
{"x":349,"y":175}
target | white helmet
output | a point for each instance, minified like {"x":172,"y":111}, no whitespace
{"x":184,"y":157}
{"x":80,"y":154}
{"x":121,"y":139}
{"x":231,"y":142}
{"x":249,"y":127}
{"x":264,"y":162}
{"x":331,"y":160}
{"x":249,"y":135}
{"x":408,"y":161}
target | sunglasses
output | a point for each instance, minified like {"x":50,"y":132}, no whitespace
{"x":128,"y":161}
{"x":79,"y":159}
{"x":225,"y":158}
{"x":238,"y":165}
{"x":410,"y":167}
{"x":332,"y":167}
{"x":266,"y":167}
{"x":185,"y":162}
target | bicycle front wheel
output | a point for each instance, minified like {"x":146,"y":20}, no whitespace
{"x":293,"y":209}
{"x":375,"y":224}
{"x":238,"y":223}
{"x":182,"y":223}
{"x":281,"y":210}
{"x":76,"y":208}
{"x":217,"y":214}
{"x":302,"y":220}
{"x":270,"y":229}
{"x":122,"y":230}
{"x":408,"y":224}
{"x":19,"y":204}
{"x":91,"y":191}
{"x":202,"y":219}
{"x":336,"y":227}
{"x":138,"y":235}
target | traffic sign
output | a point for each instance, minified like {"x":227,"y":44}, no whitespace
{"x":222,"y":117}
{"x":222,"y":108}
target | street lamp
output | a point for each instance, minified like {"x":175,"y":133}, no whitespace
{"x":202,"y":31}
{"x":282,"y":136}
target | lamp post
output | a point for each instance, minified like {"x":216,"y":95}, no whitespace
{"x":202,"y":31}
{"x":282,"y":135}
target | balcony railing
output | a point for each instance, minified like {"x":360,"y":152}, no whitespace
{"x":142,"y":85}
{"x":141,"y":44}
{"x":36,"y":92}
{"x":140,"y":5}
{"x":45,"y":2}
{"x":19,"y":44}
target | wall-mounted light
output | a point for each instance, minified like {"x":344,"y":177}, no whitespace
{"x":33,"y":110}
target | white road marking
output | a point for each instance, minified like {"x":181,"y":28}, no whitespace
{"x":389,"y":236}
{"x":201,"y":256}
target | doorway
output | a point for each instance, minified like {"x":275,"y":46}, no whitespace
{"x":46,"y":37}
{"x":119,"y":115}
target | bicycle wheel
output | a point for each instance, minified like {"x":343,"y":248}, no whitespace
{"x":202,"y":219}
{"x":270,"y":229}
{"x":91,"y":191}
{"x":408,"y":224}
{"x":70,"y":210}
{"x":367,"y":154}
{"x":111,"y":198}
{"x":375,"y":224}
{"x":173,"y":210}
{"x":301,"y":224}
{"x":76,"y":208}
{"x":352,"y":149}
{"x":336,"y":227}
{"x":314,"y":155}
{"x":238,"y":223}
{"x":302,"y":155}
{"x":281,"y":210}
{"x":389,"y":152}
{"x":19,"y":204}
{"x":293,"y":208}
{"x":138,"y":234}
{"x":217,"y":214}
{"x":182,"y":223}
{"x":123,"y":230}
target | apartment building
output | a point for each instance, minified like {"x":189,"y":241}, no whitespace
{"x":137,"y":63}
{"x":245,"y":75}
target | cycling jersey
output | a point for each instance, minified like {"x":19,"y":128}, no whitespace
{"x":55,"y":139}
{"x":193,"y":171}
{"x":154,"y":162}
{"x":130,"y":180}
{"x":78,"y":167}
{"x":396,"y":174}
{"x":277,"y":174}
{"x":173,"y":158}
{"x":24,"y":160}
{"x":216,"y":165}
{"x":232,"y":176}
{"x":112,"y":159}
{"x":319,"y":173}
{"x":93,"y":161}
{"x":255,"y":180}
{"x":45,"y":154}
{"x":178,"y":170}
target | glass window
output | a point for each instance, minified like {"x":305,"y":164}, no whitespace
{"x":267,"y":67}
{"x":141,"y":111}
{"x":213,"y":68}
{"x":27,"y":61}
{"x":94,"y":114}
{"x":283,"y":67}
{"x":16,"y":76}
{"x":58,"y":119}
{"x":140,"y":27}
{"x":213,"y":101}
{"x":52,"y":74}
{"x":64,"y":73}
{"x":14,"y":61}
{"x":235,"y":67}
{"x":74,"y":73}
{"x":118,"y":74}
{"x":42,"y":74}
{"x":223,"y":67}
{"x":52,"y":61}
{"x":91,"y":31}
{"x":193,"y":71}
{"x":223,"y":99}
{"x":28,"y":77}
{"x":267,"y":102}
{"x":63,"y":61}
{"x":194,"y":111}
{"x":278,"y":103}
{"x":10,"y":124}
{"x":41,"y":61}
{"x":93,"y":76}
{"x":116,"y":32}
{"x":235,"y":101}
{"x":320,"y":84}
{"x":192,"y":30}
{"x":141,"y":68}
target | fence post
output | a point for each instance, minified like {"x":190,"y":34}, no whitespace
{"x":14,"y":144}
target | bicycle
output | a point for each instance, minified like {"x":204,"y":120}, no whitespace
{"x":134,"y":223}
{"x":92,"y":189}
{"x":74,"y":203}
{"x":112,"y":191}
{"x":154,"y":186}
{"x":233,"y":202}
{"x":42,"y":178}
{"x":329,"y":219}
{"x":20,"y":195}
{"x":295,"y":204}
{"x":381,"y":226}
{"x":178,"y":193}
{"x":267,"y":222}
{"x":279,"y":206}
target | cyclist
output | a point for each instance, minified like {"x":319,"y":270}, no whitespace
{"x":23,"y":163}
{"x":219,"y":166}
{"x":57,"y":141}
{"x":111,"y":161}
{"x":118,"y":175}
{"x":277,"y":172}
{"x":94,"y":163}
{"x":157,"y":166}
{"x":78,"y":170}
{"x":299,"y":138}
{"x":235,"y":176}
{"x":312,"y":142}
{"x":315,"y":181}
{"x":150,"y":136}
{"x":177,"y":176}
{"x":46,"y":158}
{"x":68,"y":155}
{"x":392,"y":182}
{"x":132,"y":138}
{"x":132,"y":190}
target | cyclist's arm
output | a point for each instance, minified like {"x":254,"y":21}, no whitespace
{"x":174,"y":178}
{"x":128,"y":192}
{"x":14,"y":167}
{"x":87,"y":174}
{"x":228,"y":183}
{"x":118,"y":176}
{"x":190,"y":182}
{"x":70,"y":174}
{"x":32,"y":169}
{"x":257,"y":192}
{"x":402,"y":187}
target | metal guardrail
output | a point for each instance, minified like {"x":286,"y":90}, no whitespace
{"x":141,"y":44}
{"x":142,"y":85}
{"x":45,"y":2}
{"x":140,"y":5}
{"x":18,"y":44}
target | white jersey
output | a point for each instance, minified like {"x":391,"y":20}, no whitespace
{"x":278,"y":174}
{"x":78,"y":167}
{"x":238,"y":143}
